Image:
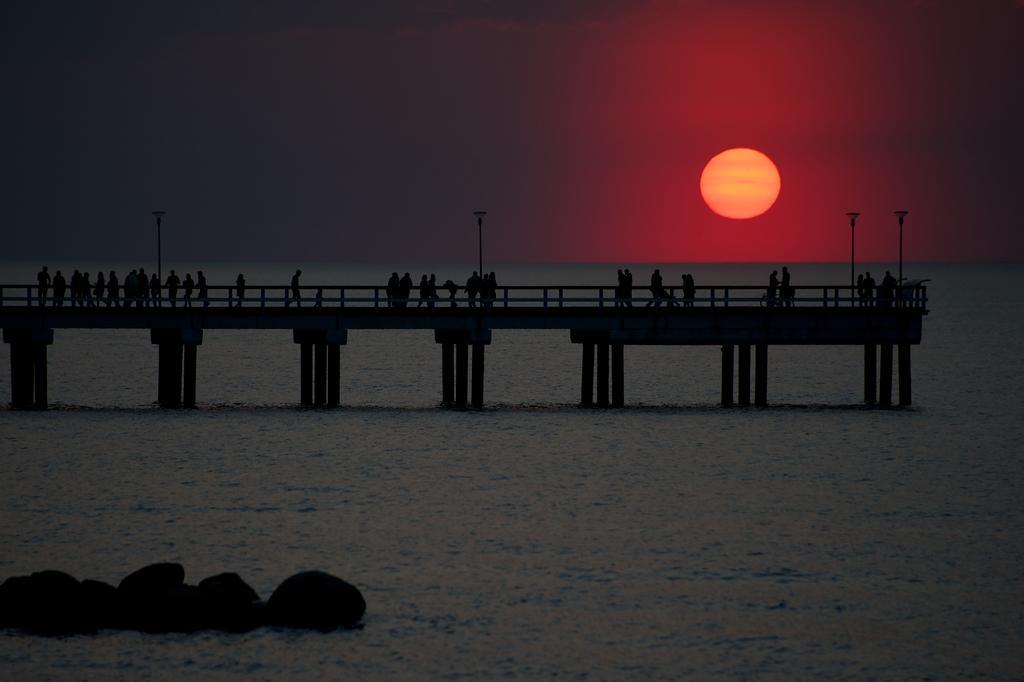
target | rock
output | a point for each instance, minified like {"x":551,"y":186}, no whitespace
{"x":152,"y":580}
{"x":232,"y":603}
{"x":99,"y":606}
{"x":314,"y":599}
{"x":228,"y":588}
{"x":47,"y":602}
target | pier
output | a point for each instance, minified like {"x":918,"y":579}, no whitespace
{"x":739,"y":319}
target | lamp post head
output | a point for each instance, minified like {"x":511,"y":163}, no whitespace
{"x":159,"y":216}
{"x":901,"y":215}
{"x":479,"y":216}
{"x":853,"y":217}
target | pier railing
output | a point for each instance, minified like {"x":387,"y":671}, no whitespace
{"x":536,"y":296}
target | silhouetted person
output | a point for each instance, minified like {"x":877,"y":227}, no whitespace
{"x":86,"y":290}
{"x":318,"y":302}
{"x":432,"y":289}
{"x":869,"y":289}
{"x":452,"y":289}
{"x":296,"y":296}
{"x":424,"y":289}
{"x":786,"y":289}
{"x":887,"y":291}
{"x":491,"y":289}
{"x":657,"y":290}
{"x":627,"y":291}
{"x":404,"y":290}
{"x":112,"y":287}
{"x":204,"y":290}
{"x":392,"y":291}
{"x":130,"y":282}
{"x":43,"y":278}
{"x":173,"y":282}
{"x":154,"y":291}
{"x":142,"y":290}
{"x":189,"y":284}
{"x":689,"y":290}
{"x":620,"y":287}
{"x":473,"y":288}
{"x":773,"y":288}
{"x":861,"y":294}
{"x":76,"y":288}
{"x":100,"y":288}
{"x":60,"y":286}
{"x":240,"y":290}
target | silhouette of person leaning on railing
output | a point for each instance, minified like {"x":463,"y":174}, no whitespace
{"x":99,"y":289}
{"x":657,"y":290}
{"x":452,"y":289}
{"x":786,"y":289}
{"x":773,"y":288}
{"x":188,"y":285}
{"x":154,"y":291}
{"x":473,"y":288}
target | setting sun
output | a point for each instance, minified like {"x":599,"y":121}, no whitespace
{"x":740,"y":183}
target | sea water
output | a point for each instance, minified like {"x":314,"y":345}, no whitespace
{"x":670,"y":538}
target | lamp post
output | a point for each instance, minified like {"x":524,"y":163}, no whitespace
{"x":853,"y":221}
{"x":480,"y":239}
{"x":901,"y":215}
{"x":159,"y":221}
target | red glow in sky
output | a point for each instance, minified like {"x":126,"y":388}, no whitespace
{"x":583,"y":127}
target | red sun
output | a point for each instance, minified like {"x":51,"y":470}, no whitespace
{"x":740,"y":183}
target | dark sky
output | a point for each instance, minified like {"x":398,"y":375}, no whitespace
{"x":370,"y":131}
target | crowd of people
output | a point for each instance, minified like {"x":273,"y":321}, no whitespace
{"x":138,"y":289}
{"x":143,"y":291}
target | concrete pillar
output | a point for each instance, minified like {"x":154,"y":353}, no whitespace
{"x":447,"y":372}
{"x":305,"y":373}
{"x":885,"y":375}
{"x":744,"y":383}
{"x":904,"y":376}
{"x":727,"y":379}
{"x":602,"y":374}
{"x":22,"y":372}
{"x":39,"y":401}
{"x":761,"y":374}
{"x":461,"y":372}
{"x":333,"y":374}
{"x":320,"y":374}
{"x":587,"y":375}
{"x":870,"y":373}
{"x":618,"y":375}
{"x":478,"y":375}
{"x":189,"y":376}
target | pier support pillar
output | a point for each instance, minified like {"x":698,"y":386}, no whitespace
{"x":461,"y":372}
{"x":455,"y":345}
{"x":447,"y":373}
{"x":477,"y":397}
{"x":319,"y":365}
{"x":28,"y":367}
{"x":761,"y":374}
{"x":904,"y":376}
{"x":602,"y":374}
{"x":870,"y":373}
{"x":320,"y":374}
{"x":177,"y":350}
{"x":587,"y":375}
{"x":744,"y":369}
{"x":618,"y":375}
{"x":188,"y":398}
{"x":727,"y":371}
{"x":333,"y":374}
{"x":885,"y":375}
{"x":305,"y":373}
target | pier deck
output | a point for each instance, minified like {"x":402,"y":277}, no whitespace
{"x":735,"y":318}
